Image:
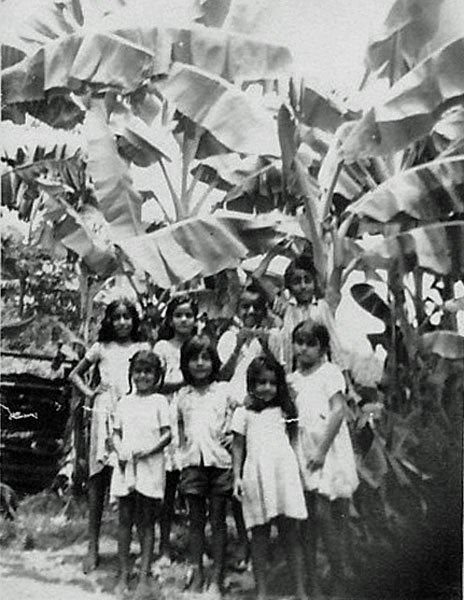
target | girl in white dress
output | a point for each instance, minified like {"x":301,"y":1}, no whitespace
{"x":140,"y":433}
{"x":266,"y":478}
{"x":325,"y":454}
{"x":118,"y":340}
{"x":178,"y":326}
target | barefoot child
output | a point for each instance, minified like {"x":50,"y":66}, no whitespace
{"x":266,"y":477}
{"x":177,"y":327}
{"x":325,"y":453}
{"x":140,"y":433}
{"x":117,"y":342}
{"x":204,"y":407}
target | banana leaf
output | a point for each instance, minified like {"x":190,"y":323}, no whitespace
{"x":438,"y":248}
{"x":119,"y":203}
{"x":411,"y":107}
{"x":235,"y":119}
{"x":429,"y":192}
{"x":447,"y":344}
{"x":413,"y":30}
{"x":123,"y":56}
{"x":199,"y":246}
{"x":367,"y":298}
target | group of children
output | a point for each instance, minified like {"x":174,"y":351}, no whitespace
{"x":257,"y":418}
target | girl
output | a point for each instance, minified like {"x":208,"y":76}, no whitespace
{"x":325,"y":453}
{"x":204,"y":407}
{"x":301,"y":281}
{"x":266,"y":477}
{"x":118,"y":340}
{"x":178,"y":326}
{"x":141,"y":430}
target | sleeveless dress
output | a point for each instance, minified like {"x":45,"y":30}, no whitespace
{"x":113,"y":363}
{"x":271,"y":482}
{"x":338,"y":477}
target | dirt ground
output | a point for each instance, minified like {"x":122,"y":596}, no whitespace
{"x":40,"y":574}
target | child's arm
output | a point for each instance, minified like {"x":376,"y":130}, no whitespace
{"x":228,"y":356}
{"x":163,"y":441}
{"x":335,"y":420}
{"x":76,"y":378}
{"x":117,"y":445}
{"x":238,"y":459}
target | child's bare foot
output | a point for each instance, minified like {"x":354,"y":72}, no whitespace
{"x":214,"y":591}
{"x":90,"y":562}
{"x":144,"y":590}
{"x":195,"y":580}
{"x":122,"y":587}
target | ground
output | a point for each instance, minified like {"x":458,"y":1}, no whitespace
{"x":42,"y":552}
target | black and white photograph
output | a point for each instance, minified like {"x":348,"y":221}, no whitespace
{"x":232,"y":299}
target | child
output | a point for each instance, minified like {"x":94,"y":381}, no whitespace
{"x":245,"y":340}
{"x":237,"y":347}
{"x":266,"y":475}
{"x":141,"y":430}
{"x":301,"y":281}
{"x":178,"y":326}
{"x":204,"y":407}
{"x":325,"y":453}
{"x":118,"y":340}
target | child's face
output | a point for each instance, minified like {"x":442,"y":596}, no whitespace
{"x":266,"y":386}
{"x":306,"y":353}
{"x":144,"y":379}
{"x":201,"y":367}
{"x":250,"y":310}
{"x":122,"y":322}
{"x":302,"y":286}
{"x":183,"y":319}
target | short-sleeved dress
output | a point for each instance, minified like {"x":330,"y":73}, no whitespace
{"x":271,"y":481}
{"x":338,"y":477}
{"x":140,"y":419}
{"x":113,"y":363}
{"x":169,"y":352}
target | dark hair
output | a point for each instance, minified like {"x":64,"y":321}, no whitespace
{"x":254,"y":288}
{"x":303,"y":262}
{"x":312,"y":333}
{"x":107,"y":333}
{"x":191,"y":349}
{"x":166,"y":330}
{"x":146,"y":358}
{"x":267,"y":362}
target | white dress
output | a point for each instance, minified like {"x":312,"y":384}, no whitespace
{"x":271,"y":482}
{"x":169,"y":352}
{"x":113,"y":364}
{"x":140,"y":419}
{"x":338,"y":477}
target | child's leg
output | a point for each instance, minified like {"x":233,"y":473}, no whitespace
{"x":290,"y":539}
{"x":149,"y":509}
{"x":331,"y":540}
{"x":96,"y":489}
{"x":259,"y":545}
{"x":310,"y":534}
{"x":217,"y":512}
{"x":197,"y":522}
{"x":241,"y":529}
{"x":172,"y":480}
{"x":127,"y":508}
{"x":340,"y":513}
